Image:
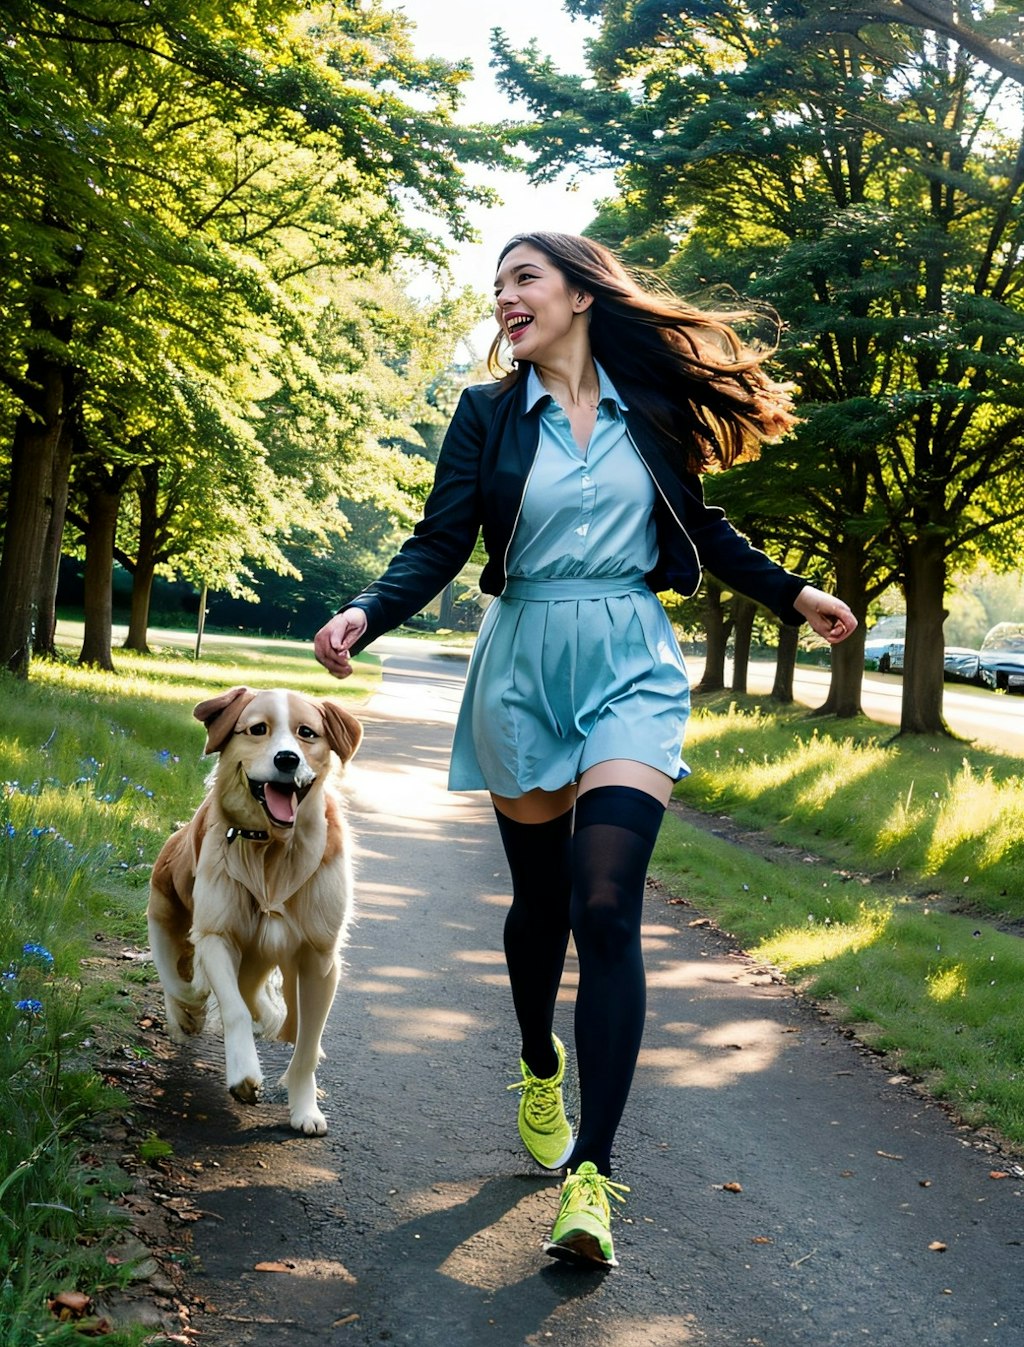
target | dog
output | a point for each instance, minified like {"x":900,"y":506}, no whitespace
{"x":260,"y":879}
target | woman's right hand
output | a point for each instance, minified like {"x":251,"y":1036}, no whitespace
{"x":335,"y":639}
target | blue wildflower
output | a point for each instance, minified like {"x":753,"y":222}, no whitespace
{"x":30,"y":1006}
{"x":34,"y":950}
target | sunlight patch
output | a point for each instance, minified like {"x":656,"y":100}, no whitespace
{"x":817,"y":943}
{"x":947,"y":984}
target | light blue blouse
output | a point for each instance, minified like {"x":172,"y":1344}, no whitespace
{"x":576,"y":662}
{"x":584,"y":512}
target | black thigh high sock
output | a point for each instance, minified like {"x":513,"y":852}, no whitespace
{"x":537,"y":928}
{"x":615,"y":831}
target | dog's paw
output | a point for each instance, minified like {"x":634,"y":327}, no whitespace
{"x":270,"y":1020}
{"x":303,"y":1110}
{"x":309,"y":1121}
{"x":185,"y":1019}
{"x":248,"y":1090}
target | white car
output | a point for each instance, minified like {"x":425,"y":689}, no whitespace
{"x":1001,"y":658}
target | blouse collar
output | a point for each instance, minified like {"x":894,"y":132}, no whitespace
{"x":607,"y":392}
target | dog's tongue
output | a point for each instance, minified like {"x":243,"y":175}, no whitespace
{"x":281,"y":805}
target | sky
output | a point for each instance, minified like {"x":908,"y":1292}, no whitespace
{"x":456,"y":29}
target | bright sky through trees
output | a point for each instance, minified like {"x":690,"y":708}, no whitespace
{"x":462,"y":28}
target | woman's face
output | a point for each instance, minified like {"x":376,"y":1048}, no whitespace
{"x":538,"y":312}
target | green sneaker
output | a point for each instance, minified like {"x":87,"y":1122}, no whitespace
{"x":542,"y":1122}
{"x":582,"y":1232}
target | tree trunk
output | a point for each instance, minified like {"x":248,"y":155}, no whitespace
{"x":716,"y":632}
{"x":785,"y":664}
{"x":744,"y":611}
{"x":923,"y":657}
{"x":844,"y":693}
{"x":144,"y":568}
{"x":37,"y":433}
{"x":45,"y":642}
{"x":103,"y":499}
{"x":142,"y":593}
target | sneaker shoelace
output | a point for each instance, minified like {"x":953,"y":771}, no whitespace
{"x":592,"y":1190}
{"x":541,"y":1098}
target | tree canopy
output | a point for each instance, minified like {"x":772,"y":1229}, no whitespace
{"x":200,"y":209}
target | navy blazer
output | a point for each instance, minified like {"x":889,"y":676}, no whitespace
{"x":480,"y":481}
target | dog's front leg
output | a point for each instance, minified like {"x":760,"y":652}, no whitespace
{"x":219,"y":961}
{"x":317,"y":981}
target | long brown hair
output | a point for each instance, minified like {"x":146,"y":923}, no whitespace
{"x":684,"y":369}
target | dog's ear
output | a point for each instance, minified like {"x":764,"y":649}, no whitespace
{"x":342,"y":730}
{"x":220,"y":715}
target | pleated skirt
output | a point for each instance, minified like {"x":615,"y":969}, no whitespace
{"x":566,"y":674}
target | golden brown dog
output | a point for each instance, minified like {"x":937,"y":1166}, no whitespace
{"x":260,"y":879}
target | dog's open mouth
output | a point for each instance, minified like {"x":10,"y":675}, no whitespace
{"x":280,"y":800}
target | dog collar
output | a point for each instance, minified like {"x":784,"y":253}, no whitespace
{"x":248,"y":834}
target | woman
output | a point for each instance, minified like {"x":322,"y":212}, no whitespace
{"x":582,"y":467}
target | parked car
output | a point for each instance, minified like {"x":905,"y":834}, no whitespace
{"x":884,"y":654}
{"x":880,"y":652}
{"x":1001,"y":658}
{"x":960,"y":665}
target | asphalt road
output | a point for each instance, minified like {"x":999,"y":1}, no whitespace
{"x":418,"y":1220}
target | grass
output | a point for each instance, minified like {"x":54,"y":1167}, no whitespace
{"x":906,"y":920}
{"x":940,"y":813}
{"x":94,"y":771}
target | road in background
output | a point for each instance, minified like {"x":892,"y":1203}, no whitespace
{"x":990,"y":719}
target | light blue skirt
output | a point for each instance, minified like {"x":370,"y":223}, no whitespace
{"x":566,"y":674}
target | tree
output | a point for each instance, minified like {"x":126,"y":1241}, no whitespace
{"x":873,"y":199}
{"x":140,"y":149}
{"x":989,"y":31}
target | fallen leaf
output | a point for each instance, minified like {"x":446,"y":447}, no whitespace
{"x":732,"y":1187}
{"x":937,"y":1246}
{"x":70,"y":1304}
{"x":887,"y":1155}
{"x":999,"y":1174}
{"x":95,"y":1328}
{"x":762,"y":1239}
{"x":275,"y":1267}
{"x":700,"y":921}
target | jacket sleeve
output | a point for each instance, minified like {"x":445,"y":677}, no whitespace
{"x":444,"y":538}
{"x":734,"y":560}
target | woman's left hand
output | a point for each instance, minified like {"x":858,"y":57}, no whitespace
{"x":825,"y":614}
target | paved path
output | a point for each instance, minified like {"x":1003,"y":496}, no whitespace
{"x":417,"y":1220}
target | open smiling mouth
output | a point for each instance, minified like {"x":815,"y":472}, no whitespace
{"x":280,"y":801}
{"x":517,"y":324}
